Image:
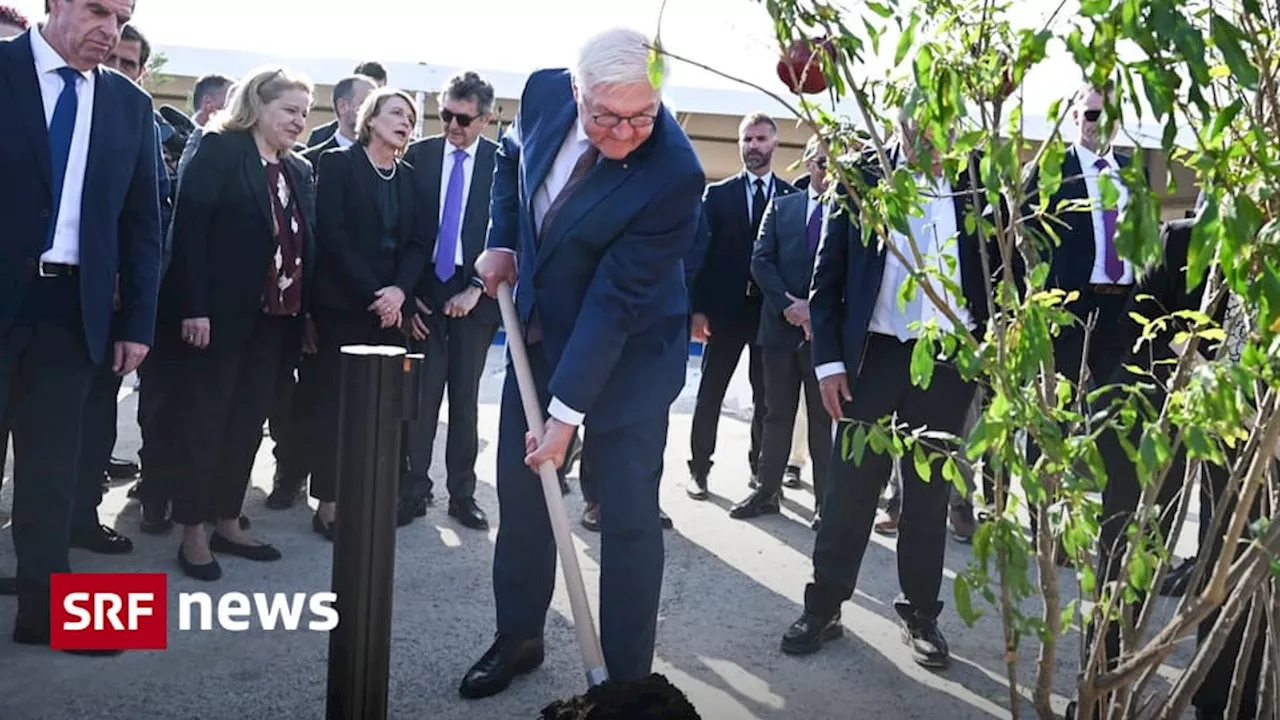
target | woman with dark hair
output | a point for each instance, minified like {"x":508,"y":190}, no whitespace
{"x":235,"y":295}
{"x":372,"y":251}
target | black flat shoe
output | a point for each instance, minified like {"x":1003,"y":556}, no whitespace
{"x":325,"y":531}
{"x":259,"y":553}
{"x":506,"y":659}
{"x":208,"y":572}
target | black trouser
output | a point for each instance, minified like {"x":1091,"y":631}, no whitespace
{"x":720,"y":358}
{"x":335,"y":329}
{"x":1120,"y":500}
{"x":787,"y":371}
{"x":97,"y":440}
{"x":288,"y":421}
{"x":228,"y":394}
{"x":45,"y":374}
{"x":161,"y":413}
{"x":849,"y":507}
{"x":454,"y":357}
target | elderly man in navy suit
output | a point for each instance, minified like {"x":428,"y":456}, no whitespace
{"x":79,"y":195}
{"x":595,"y":193}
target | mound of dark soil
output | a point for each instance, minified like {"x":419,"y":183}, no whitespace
{"x":653,"y":698}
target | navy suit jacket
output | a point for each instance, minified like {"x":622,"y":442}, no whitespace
{"x":781,"y":264}
{"x":120,"y":212}
{"x":721,"y":288}
{"x":1071,"y":261}
{"x":847,"y":276}
{"x":607,"y":279}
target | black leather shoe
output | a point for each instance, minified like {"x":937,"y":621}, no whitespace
{"x":468,"y":513}
{"x":208,"y":572}
{"x":808,"y":634}
{"x":38,"y":634}
{"x":791,"y":478}
{"x":287,"y":491}
{"x":260,"y":553}
{"x":325,"y":531}
{"x":8,"y":586}
{"x":408,"y":510}
{"x":123,"y":470}
{"x":155,"y":518}
{"x":928,"y":646}
{"x":506,"y":659}
{"x":757,"y":503}
{"x":102,"y":540}
{"x":816,"y":522}
{"x":667,"y":524}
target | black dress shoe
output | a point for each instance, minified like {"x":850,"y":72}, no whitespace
{"x":757,"y":503}
{"x":506,"y":659}
{"x":123,"y":469}
{"x":259,"y":553}
{"x":667,"y":524}
{"x":697,"y":487}
{"x":102,"y":540}
{"x":468,"y":513}
{"x":408,"y":510}
{"x":928,"y":646}
{"x":287,"y":490}
{"x":38,"y":634}
{"x":791,"y":478}
{"x":816,"y":522}
{"x":155,"y":518}
{"x":8,"y":586}
{"x":325,"y":531}
{"x":808,"y":634}
{"x":208,"y":572}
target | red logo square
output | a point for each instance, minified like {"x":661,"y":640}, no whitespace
{"x":109,"y":611}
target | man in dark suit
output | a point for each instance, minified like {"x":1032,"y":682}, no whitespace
{"x":370,"y":69}
{"x":74,"y":126}
{"x":595,"y":194}
{"x":862,"y":347}
{"x":726,"y":300}
{"x":782,"y":265}
{"x":456,"y":322}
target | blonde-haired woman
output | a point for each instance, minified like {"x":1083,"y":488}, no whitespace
{"x":234,"y":300}
{"x":372,"y":250}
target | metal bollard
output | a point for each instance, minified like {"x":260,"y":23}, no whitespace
{"x":371,"y":416}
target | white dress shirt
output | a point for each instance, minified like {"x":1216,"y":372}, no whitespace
{"x":66,"y":235}
{"x":446,"y":169}
{"x":1090,"y":171}
{"x":936,"y":237}
{"x":808,"y":213}
{"x":343,"y":141}
{"x":751,"y":190}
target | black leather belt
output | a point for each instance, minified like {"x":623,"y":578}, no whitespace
{"x":1110,"y":289}
{"x":50,"y":270}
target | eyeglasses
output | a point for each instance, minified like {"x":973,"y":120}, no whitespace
{"x":1092,"y":115}
{"x":609,"y":120}
{"x":447,"y":117}
{"x":819,"y":161}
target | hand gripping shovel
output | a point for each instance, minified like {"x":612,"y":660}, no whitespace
{"x":651,"y":698}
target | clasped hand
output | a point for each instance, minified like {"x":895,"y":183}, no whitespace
{"x":387,"y":306}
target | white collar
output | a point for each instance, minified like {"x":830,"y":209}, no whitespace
{"x":767,"y":178}
{"x":470,"y":150}
{"x":47,"y":59}
{"x":1088,"y":157}
{"x":813,"y":194}
{"x":580,"y":132}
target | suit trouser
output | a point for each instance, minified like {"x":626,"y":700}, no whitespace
{"x":455,"y":352}
{"x":288,"y":421}
{"x":228,"y":393}
{"x":631,"y":544}
{"x":849,"y":507}
{"x":161,"y":412}
{"x":788,"y":371}
{"x":45,"y":374}
{"x":323,"y":394}
{"x":1120,"y":499}
{"x":97,"y":440}
{"x":720,"y":358}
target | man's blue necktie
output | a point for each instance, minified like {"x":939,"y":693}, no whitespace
{"x":61,"y":128}
{"x":450,"y":220}
{"x":813,"y":231}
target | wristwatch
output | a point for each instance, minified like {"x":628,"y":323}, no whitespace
{"x":477,"y":282}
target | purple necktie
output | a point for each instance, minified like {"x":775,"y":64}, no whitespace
{"x":815,"y":228}
{"x":450,"y":220}
{"x":1115,"y":267}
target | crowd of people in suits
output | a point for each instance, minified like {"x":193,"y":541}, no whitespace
{"x":229,"y":269}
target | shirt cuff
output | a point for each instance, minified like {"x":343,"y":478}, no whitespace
{"x":826,"y":370}
{"x":564,"y":413}
{"x":503,"y":249}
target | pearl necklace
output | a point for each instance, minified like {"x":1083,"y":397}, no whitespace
{"x":382,"y":173}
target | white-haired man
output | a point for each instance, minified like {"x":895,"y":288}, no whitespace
{"x":615,"y":188}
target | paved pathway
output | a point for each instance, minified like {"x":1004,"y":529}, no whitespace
{"x":731,"y":588}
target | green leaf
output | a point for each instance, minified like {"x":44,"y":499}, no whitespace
{"x":1224,"y":119}
{"x":922,"y":362}
{"x":657,"y":64}
{"x":879,"y":9}
{"x":1229,"y":39}
{"x":920,"y":459}
{"x":1089,"y":8}
{"x":906,"y":40}
{"x":1141,"y":571}
{"x":964,"y":601}
{"x":859,"y":449}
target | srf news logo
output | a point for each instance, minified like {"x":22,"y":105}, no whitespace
{"x":130,"y":611}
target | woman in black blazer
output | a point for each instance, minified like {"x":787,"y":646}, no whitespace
{"x":234,"y":302}
{"x":372,"y":251}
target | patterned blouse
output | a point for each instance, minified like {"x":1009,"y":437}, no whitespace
{"x":283,"y":294}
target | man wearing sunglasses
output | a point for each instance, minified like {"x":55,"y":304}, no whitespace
{"x":455,"y":323}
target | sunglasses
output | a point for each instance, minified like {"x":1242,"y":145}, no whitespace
{"x":1092,"y":115}
{"x":463,"y":120}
